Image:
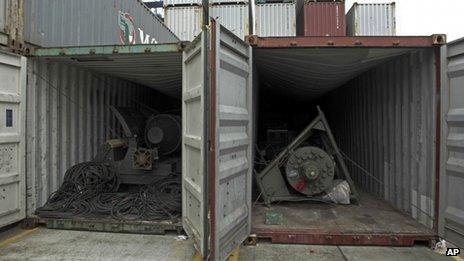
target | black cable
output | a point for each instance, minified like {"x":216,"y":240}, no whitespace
{"x":90,"y":189}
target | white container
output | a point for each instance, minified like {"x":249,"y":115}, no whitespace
{"x":199,"y":2}
{"x":185,"y":21}
{"x":275,"y":19}
{"x":167,"y":3}
{"x":371,"y":20}
{"x":233,"y":17}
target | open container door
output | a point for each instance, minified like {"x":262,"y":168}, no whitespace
{"x":217,"y":142}
{"x":451,"y":219}
{"x":194,"y":146}
{"x":12,"y":138}
{"x":231,"y":131}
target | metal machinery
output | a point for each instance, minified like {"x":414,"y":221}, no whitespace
{"x":149,"y":149}
{"x":308,"y":170}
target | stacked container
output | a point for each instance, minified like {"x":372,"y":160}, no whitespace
{"x":275,"y":18}
{"x":184,"y":17}
{"x":317,"y":18}
{"x":371,"y":20}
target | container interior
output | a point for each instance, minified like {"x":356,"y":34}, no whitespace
{"x":69,"y":113}
{"x":379,"y":102}
{"x":380,"y":105}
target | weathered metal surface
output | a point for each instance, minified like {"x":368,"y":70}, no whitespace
{"x":385,"y":122}
{"x":359,"y":41}
{"x":371,"y":222}
{"x":50,"y":23}
{"x":114,"y":226}
{"x":231,"y":150}
{"x":451,"y":225}
{"x":322,"y":19}
{"x":371,"y":20}
{"x":233,"y":17}
{"x":194,"y":154}
{"x":12,"y":138}
{"x":68,"y":118}
{"x":277,"y":19}
{"x":135,"y":63}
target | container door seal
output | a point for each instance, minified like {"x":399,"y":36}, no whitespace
{"x":451,"y":215}
{"x":231,"y":154}
{"x":12,"y":138}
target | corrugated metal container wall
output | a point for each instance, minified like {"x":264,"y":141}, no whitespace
{"x":385,"y":121}
{"x":322,"y":19}
{"x":371,"y":20}
{"x":50,"y":23}
{"x":185,"y":22}
{"x":233,"y":17}
{"x":275,"y":19}
{"x":68,"y":118}
{"x":167,"y":3}
{"x":11,"y":21}
{"x":228,"y":1}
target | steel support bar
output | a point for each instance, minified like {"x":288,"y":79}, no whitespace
{"x":108,"y":50}
{"x":340,"y":41}
{"x":317,"y":237}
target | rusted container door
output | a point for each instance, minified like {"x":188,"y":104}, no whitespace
{"x":322,"y":19}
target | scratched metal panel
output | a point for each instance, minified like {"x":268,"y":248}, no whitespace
{"x":51,"y":23}
{"x":451,"y":225}
{"x":68,"y":117}
{"x":234,"y":132}
{"x":275,"y":19}
{"x":371,"y":20}
{"x":384,"y":121}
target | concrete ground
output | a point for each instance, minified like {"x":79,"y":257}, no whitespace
{"x":48,"y":244}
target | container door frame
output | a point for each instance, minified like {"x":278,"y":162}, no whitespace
{"x":13,"y":71}
{"x":231,"y":142}
{"x":451,"y":204}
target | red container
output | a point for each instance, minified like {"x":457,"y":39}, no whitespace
{"x":322,"y":19}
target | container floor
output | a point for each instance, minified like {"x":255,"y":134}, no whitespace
{"x":46,"y":244}
{"x":371,"y":222}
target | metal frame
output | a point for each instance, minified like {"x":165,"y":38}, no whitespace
{"x":108,"y":50}
{"x":316,"y":237}
{"x":342,"y":41}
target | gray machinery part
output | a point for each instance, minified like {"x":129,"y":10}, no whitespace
{"x":141,"y":165}
{"x":271,"y":181}
{"x":163,"y":131}
{"x":310,"y":170}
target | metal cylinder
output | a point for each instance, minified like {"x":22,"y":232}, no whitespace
{"x":163,"y":131}
{"x":310,"y":170}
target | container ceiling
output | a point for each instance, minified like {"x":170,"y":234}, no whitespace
{"x":159,"y":69}
{"x":308,"y":73}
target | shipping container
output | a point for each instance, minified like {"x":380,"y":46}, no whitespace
{"x":394,"y":104}
{"x":371,"y":20}
{"x":50,"y":23}
{"x":321,"y":19}
{"x":168,"y":3}
{"x":185,"y":21}
{"x":275,"y":19}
